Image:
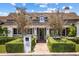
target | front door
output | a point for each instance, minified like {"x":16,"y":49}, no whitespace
{"x":41,"y":35}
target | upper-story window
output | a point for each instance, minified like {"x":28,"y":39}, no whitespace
{"x":30,"y":17}
{"x":10,"y":21}
{"x":42,"y":19}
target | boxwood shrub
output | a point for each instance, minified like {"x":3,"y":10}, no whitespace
{"x":2,"y":49}
{"x":15,"y":46}
{"x":33,"y":43}
{"x":72,"y":30}
{"x":77,"y":47}
{"x":60,"y":45}
{"x":4,"y":39}
{"x":75,"y":39}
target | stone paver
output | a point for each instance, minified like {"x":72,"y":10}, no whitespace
{"x":41,"y":48}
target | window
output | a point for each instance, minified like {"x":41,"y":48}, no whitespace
{"x":14,"y":31}
{"x":42,"y":19}
{"x":10,"y":21}
{"x":30,"y":17}
{"x":1,"y":22}
{"x":51,"y":32}
{"x":29,"y":31}
{"x":46,"y":17}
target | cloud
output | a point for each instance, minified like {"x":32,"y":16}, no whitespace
{"x":46,"y":11}
{"x":4,"y":13}
{"x":13,"y":4}
{"x":43,"y":5}
{"x":70,"y":7}
{"x":63,"y":7}
{"x":57,"y":3}
{"x":32,"y":10}
{"x":53,"y":9}
{"x":49,"y":10}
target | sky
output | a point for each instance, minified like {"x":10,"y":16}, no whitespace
{"x":6,"y":8}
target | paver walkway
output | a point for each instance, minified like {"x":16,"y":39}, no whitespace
{"x":41,"y":48}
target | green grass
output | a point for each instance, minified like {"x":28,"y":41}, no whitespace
{"x":2,"y":49}
{"x":77,"y":47}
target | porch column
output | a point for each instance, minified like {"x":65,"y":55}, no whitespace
{"x":10,"y":29}
{"x":77,"y":25}
{"x":47,"y":32}
{"x":35,"y":31}
{"x":65,"y":31}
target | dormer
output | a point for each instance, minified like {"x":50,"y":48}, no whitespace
{"x":43,"y":19}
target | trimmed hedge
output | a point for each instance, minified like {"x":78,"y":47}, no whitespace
{"x":15,"y":46}
{"x":2,"y":49}
{"x":76,"y":40}
{"x":72,"y":30}
{"x":33,"y":43}
{"x":4,"y":39}
{"x":77,"y":47}
{"x":60,"y":45}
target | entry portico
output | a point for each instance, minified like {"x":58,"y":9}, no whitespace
{"x":41,"y":32}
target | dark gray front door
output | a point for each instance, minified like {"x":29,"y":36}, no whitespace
{"x":41,"y":34}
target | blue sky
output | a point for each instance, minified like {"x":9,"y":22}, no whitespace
{"x":6,"y":8}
